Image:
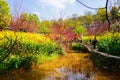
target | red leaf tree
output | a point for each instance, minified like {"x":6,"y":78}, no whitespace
{"x":62,"y":35}
{"x":26,"y":23}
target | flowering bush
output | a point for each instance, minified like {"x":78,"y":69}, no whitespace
{"x":19,"y":49}
{"x":110,"y":43}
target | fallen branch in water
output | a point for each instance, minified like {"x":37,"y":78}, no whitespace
{"x":101,"y":53}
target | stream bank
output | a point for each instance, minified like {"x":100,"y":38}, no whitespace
{"x":72,"y":66}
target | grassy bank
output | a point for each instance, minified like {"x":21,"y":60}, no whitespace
{"x":19,"y":49}
{"x":108,"y":43}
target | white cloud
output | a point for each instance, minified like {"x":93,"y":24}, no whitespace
{"x":37,"y":13}
{"x":61,"y":4}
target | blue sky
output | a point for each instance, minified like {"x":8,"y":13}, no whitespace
{"x":54,"y":9}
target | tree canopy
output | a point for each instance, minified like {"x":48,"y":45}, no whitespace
{"x":4,"y":14}
{"x":115,"y":13}
{"x":26,"y":22}
{"x":101,"y":14}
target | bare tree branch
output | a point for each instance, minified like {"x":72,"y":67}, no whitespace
{"x":107,"y":15}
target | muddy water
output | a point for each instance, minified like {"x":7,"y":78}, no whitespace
{"x":72,"y":66}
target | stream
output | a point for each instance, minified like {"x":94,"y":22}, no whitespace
{"x":72,"y":66}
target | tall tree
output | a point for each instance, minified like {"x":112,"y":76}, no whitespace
{"x":101,"y":14}
{"x":26,"y":22}
{"x":4,"y":14}
{"x":88,"y":19}
{"x":80,"y":30}
{"x":44,"y":25}
{"x":115,"y":13}
{"x":69,"y":23}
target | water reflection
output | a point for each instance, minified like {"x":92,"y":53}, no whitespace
{"x":73,"y":66}
{"x":71,"y":74}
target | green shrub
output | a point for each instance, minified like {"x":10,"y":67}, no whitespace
{"x":27,"y":62}
{"x":110,"y":44}
{"x":13,"y":63}
{"x":25,"y":53}
{"x":3,"y":67}
{"x":76,"y":46}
